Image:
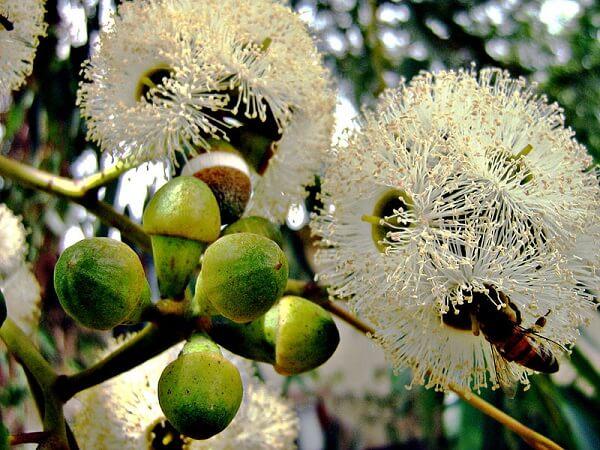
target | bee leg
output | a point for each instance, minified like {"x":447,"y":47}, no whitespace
{"x":474,"y":325}
{"x":539,"y":323}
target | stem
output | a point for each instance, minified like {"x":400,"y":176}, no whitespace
{"x":110,"y":216}
{"x":82,"y":192}
{"x":44,"y":378}
{"x":533,"y":438}
{"x":377,"y":50}
{"x":347,"y":317}
{"x":28,"y":438}
{"x":530,"y":436}
{"x":148,"y":343}
{"x":25,"y":352}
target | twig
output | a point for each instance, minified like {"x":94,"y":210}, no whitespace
{"x":82,"y":192}
{"x":44,"y":377}
{"x":28,"y":438}
{"x":148,"y":343}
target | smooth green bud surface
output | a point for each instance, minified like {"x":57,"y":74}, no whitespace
{"x":184,"y":207}
{"x":200,"y":342}
{"x":175,"y":259}
{"x":306,"y":337}
{"x":200,"y":394}
{"x":2,"y":309}
{"x":256,"y":225}
{"x":243,"y":275}
{"x":295,"y":335}
{"x":100,"y":283}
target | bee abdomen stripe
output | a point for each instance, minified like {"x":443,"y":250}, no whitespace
{"x":518,"y":347}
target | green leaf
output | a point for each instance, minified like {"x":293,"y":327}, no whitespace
{"x":585,"y":368}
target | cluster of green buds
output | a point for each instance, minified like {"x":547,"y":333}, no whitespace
{"x":228,"y":283}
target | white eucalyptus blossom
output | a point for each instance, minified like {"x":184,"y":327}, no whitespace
{"x":459,"y":186}
{"x":12,"y":241}
{"x":169,"y":76}
{"x":509,"y":138}
{"x":21,"y":27}
{"x":21,"y":292}
{"x":124,"y":413}
{"x":17,"y":282}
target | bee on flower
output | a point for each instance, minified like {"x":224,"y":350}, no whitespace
{"x":194,"y":75}
{"x":449,"y":222}
{"x":21,"y":26}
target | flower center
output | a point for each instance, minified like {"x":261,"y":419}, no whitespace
{"x":162,"y":436}
{"x":151,"y":80}
{"x":6,"y":24}
{"x":514,"y":166}
{"x":388,"y":216}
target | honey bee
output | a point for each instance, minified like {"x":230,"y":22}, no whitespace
{"x":509,"y":341}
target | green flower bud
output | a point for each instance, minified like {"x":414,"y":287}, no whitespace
{"x":100,"y":283}
{"x":306,"y":338}
{"x":256,"y":225}
{"x":296,"y":335}
{"x":200,"y":393}
{"x":181,"y":218}
{"x":2,"y":309}
{"x":242,"y":276}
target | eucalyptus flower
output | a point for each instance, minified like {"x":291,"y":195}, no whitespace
{"x":169,"y":77}
{"x":17,"y":282}
{"x":124,"y":413}
{"x":509,"y":138}
{"x":12,"y":241}
{"x":21,"y":26}
{"x":460,"y":193}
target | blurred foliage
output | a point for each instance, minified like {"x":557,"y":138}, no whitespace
{"x":369,"y":45}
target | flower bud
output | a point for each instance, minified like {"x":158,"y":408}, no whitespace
{"x":227,"y":175}
{"x":256,"y":225}
{"x":2,"y":309}
{"x":181,"y":218}
{"x":296,"y":335}
{"x":242,"y":276}
{"x":201,"y":391}
{"x":100,"y":283}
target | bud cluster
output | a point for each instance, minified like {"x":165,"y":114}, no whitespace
{"x":236,"y":296}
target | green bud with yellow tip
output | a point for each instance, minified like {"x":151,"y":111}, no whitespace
{"x":100,"y":283}
{"x":2,"y":309}
{"x":181,"y":218}
{"x":242,"y":276}
{"x":256,"y":225}
{"x":201,"y":391}
{"x":296,"y":335}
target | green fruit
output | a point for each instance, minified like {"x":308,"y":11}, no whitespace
{"x":2,"y":309}
{"x":200,"y":393}
{"x":307,"y":336}
{"x":243,"y":275}
{"x":295,"y":335}
{"x":182,"y":217}
{"x":184,"y":207}
{"x":256,"y":225}
{"x":100,"y":283}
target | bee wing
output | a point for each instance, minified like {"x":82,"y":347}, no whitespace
{"x":505,"y":375}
